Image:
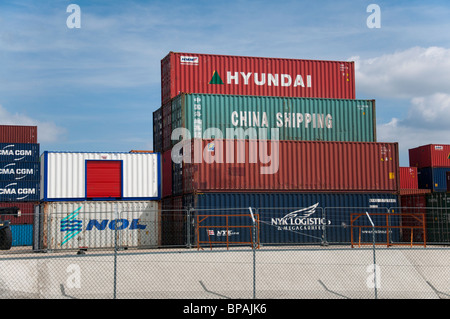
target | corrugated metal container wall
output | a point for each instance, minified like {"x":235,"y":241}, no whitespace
{"x":438,"y":218}
{"x":294,"y":118}
{"x":238,"y":75}
{"x":173,"y":219}
{"x":166,"y":174}
{"x":177,"y":179}
{"x":19,"y":152}
{"x":19,"y":191}
{"x":18,"y":134}
{"x":295,"y":217}
{"x":408,"y":178}
{"x":22,"y":235}
{"x":27,"y":210}
{"x":167,"y":126}
{"x":64,"y":175}
{"x":431,"y":155}
{"x":93,"y":224}
{"x":244,"y":165}
{"x":157,"y":130}
{"x":412,"y":204}
{"x":436,"y":179}
{"x":19,"y":171}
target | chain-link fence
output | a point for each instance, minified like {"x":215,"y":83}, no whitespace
{"x":271,"y":253}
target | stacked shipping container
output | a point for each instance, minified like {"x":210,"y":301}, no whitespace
{"x":433,"y":166}
{"x":432,"y":163}
{"x":19,"y":178}
{"x":323,"y":145}
{"x":87,"y":196}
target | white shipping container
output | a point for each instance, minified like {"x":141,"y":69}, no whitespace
{"x":97,"y":224}
{"x":63,"y":175}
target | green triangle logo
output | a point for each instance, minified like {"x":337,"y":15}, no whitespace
{"x":216,"y":78}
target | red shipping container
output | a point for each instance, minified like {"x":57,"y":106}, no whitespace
{"x":293,"y":166}
{"x":413,"y":204}
{"x":240,"y":75}
{"x":431,"y":155}
{"x":18,"y":134}
{"x":27,"y":210}
{"x":166,"y":174}
{"x":408,"y":178}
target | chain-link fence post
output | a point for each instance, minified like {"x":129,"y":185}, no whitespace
{"x":116,"y":215}
{"x":374,"y":256}
{"x":188,"y":228}
{"x":324,"y":234}
{"x":254,"y":251}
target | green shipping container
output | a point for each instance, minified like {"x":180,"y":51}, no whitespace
{"x":438,"y":218}
{"x":254,"y":117}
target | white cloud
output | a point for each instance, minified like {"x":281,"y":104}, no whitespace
{"x":405,"y":74}
{"x":432,"y":112}
{"x":426,"y":123}
{"x":420,"y":76}
{"x":47,"y":131}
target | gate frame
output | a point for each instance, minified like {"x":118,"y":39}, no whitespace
{"x":228,"y":242}
{"x":387,"y":227}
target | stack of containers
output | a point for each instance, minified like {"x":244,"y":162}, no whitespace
{"x":325,"y":154}
{"x":432,"y":162}
{"x":19,"y":178}
{"x":87,"y":196}
{"x":412,"y":200}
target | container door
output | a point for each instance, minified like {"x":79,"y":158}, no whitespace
{"x":103,"y":179}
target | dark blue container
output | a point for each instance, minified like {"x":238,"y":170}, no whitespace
{"x":435,"y":178}
{"x":22,"y":235}
{"x":19,"y":171}
{"x":19,"y":152}
{"x":294,"y":218}
{"x":19,"y":191}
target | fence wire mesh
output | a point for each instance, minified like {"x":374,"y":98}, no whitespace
{"x":279,"y":253}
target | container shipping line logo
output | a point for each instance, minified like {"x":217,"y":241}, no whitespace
{"x":15,"y":173}
{"x":19,"y":154}
{"x":300,"y":220}
{"x":18,"y":193}
{"x":260,"y":79}
{"x":72,"y":225}
{"x":269,"y":79}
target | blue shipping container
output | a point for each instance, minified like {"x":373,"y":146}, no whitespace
{"x":20,"y":171}
{"x":22,"y":235}
{"x":435,"y":178}
{"x":11,"y":191}
{"x":19,"y":152}
{"x":294,"y":218}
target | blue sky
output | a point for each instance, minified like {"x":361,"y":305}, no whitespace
{"x":95,"y":88}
